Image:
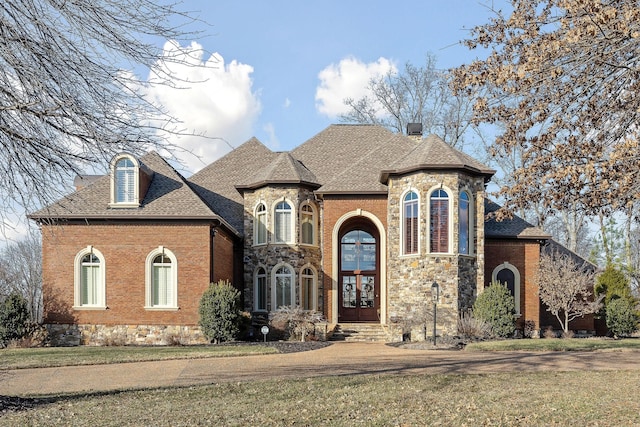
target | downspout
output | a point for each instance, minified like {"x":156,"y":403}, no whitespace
{"x":211,"y":252}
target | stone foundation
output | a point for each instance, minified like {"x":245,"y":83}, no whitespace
{"x":112,"y":335}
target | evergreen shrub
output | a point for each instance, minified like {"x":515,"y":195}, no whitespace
{"x":220,"y":312}
{"x":496,"y":306}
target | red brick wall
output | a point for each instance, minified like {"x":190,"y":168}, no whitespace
{"x":333,"y":208}
{"x":125,"y":248}
{"x":223,"y":255}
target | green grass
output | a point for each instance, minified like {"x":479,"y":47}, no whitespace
{"x":532,"y":399}
{"x":19,"y":358}
{"x":556,"y":344}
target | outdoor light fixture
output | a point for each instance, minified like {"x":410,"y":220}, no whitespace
{"x":435,"y":293}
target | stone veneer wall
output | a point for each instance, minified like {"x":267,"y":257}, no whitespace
{"x":271,"y":254}
{"x":410,"y":277}
{"x":106,"y":335}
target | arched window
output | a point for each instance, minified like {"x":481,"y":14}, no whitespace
{"x":439,"y":222}
{"x":260,"y":225}
{"x":307,"y":224}
{"x":464,"y":224}
{"x":308,"y":289}
{"x":283,"y":290}
{"x":282,"y":222}
{"x":410,"y":233}
{"x":260,"y":290}
{"x":161,"y":280}
{"x":89,"y":279}
{"x":507,"y":274}
{"x":125,"y":181}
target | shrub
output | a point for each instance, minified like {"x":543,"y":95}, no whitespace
{"x":14,"y":319}
{"x":621,"y":317}
{"x":471,"y":327}
{"x":299,"y":321}
{"x":219,"y":312}
{"x":496,"y":306}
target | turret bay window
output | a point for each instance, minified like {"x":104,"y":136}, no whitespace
{"x":439,"y":222}
{"x":308,"y":292}
{"x":260,"y":290}
{"x":283,"y":223}
{"x":307,"y":224}
{"x":161,"y":280}
{"x":464,"y":223}
{"x":282,"y":286}
{"x":410,"y":233}
{"x":89,"y":279}
{"x":260,"y":225}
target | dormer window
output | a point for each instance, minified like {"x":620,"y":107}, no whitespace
{"x":125,"y":178}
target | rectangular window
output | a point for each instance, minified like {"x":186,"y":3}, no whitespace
{"x":261,"y":297}
{"x":162,"y":289}
{"x":411,"y":228}
{"x":90,"y":282}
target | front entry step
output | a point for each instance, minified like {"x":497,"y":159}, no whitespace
{"x":359,"y":332}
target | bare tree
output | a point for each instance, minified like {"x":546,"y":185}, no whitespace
{"x":566,"y":288}
{"x":21,"y":272}
{"x":414,"y":95}
{"x":68,"y":97}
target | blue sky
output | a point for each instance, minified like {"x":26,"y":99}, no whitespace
{"x":279,"y":70}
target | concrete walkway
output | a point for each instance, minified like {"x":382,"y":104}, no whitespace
{"x":337,"y":359}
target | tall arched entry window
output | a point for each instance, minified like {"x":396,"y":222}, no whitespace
{"x":359,"y":276}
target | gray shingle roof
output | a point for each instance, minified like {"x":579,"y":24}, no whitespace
{"x":168,"y":196}
{"x":434,"y":153}
{"x":514,"y":227}
{"x":284,"y":169}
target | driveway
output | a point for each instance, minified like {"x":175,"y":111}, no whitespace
{"x":338,"y":359}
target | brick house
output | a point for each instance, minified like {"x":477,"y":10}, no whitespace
{"x":357,"y":223}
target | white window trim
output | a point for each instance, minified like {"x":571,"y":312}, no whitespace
{"x":274,"y":284}
{"x":292,"y":219}
{"x":148,"y":295}
{"x":256,"y":223}
{"x":314,"y":223}
{"x":402,"y":225}
{"x":472,"y":222}
{"x":77,"y":297}
{"x":516,"y":278}
{"x":255,"y":288}
{"x":314,"y":287}
{"x":136,"y":182}
{"x":452,"y":214}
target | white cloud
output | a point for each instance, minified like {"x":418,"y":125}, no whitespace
{"x":272,"y":140}
{"x":348,"y":79}
{"x":208,"y":97}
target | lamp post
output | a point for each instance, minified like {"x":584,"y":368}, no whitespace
{"x":435,"y":293}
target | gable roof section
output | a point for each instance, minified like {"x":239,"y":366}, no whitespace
{"x":348,"y":158}
{"x":168,"y":196}
{"x":216,"y":183}
{"x":514,"y":228}
{"x":433,"y":153}
{"x":284,"y":169}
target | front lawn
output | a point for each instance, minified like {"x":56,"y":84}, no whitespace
{"x":556,"y":344}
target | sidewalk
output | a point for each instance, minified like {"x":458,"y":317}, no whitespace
{"x":338,"y":359}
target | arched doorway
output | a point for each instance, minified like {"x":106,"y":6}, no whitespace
{"x":359,"y":272}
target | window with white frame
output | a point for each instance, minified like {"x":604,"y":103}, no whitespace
{"x":410,"y":234}
{"x":283,"y":290}
{"x":508,"y":275}
{"x":464,"y":224}
{"x":307,"y":224}
{"x":260,"y":225}
{"x":308,"y":289}
{"x":439,"y":221}
{"x":260,"y":290}
{"x":124,"y":181}
{"x":161,"y":280}
{"x":282,"y":222}
{"x":89,"y":279}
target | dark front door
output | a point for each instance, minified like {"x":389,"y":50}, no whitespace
{"x":359,"y":284}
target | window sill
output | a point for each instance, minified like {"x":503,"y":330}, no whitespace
{"x":89,"y":307}
{"x":309,"y":245}
{"x":416,"y":255}
{"x":124,"y":205}
{"x":155,"y":308}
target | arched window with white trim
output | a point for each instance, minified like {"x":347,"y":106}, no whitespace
{"x":439,"y":222}
{"x":283,"y":225}
{"x":90,"y":274}
{"x":260,"y":290}
{"x":260,"y":225}
{"x":464,"y":224}
{"x":125,"y":181}
{"x":161,"y":272}
{"x":508,"y":274}
{"x":308,"y":288}
{"x":283,"y":291}
{"x":308,"y":224}
{"x":410,"y":223}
